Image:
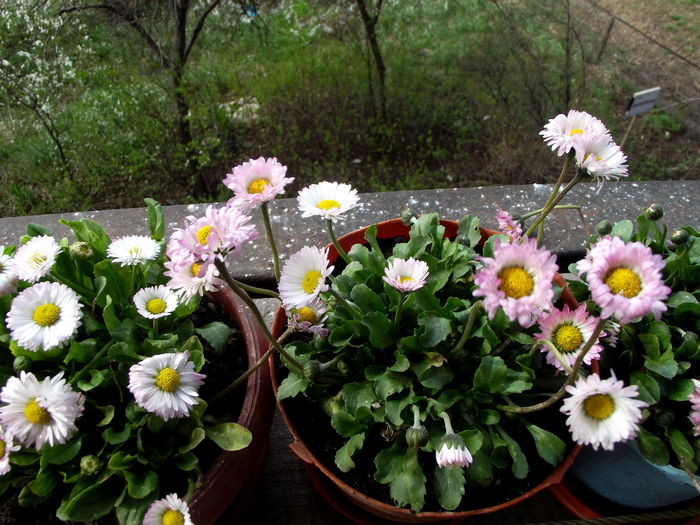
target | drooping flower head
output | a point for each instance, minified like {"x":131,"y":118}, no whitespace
{"x":166,"y":384}
{"x":256,"y":181}
{"x":222,"y":231}
{"x":518,"y":279}
{"x":452,"y":452}
{"x":6,"y":446}
{"x":694,"y":399}
{"x":600,"y":157}
{"x":625,"y":279}
{"x":309,"y":318}
{"x":508,"y":226}
{"x":35,"y":259}
{"x":602,"y":412}
{"x":40,"y":412}
{"x":154,"y":302}
{"x":44,"y":316}
{"x":190,"y":276}
{"x":304,"y":277}
{"x":406,"y":275}
{"x":329,"y":200}
{"x":561,"y":131}
{"x":8,"y":278}
{"x":568,"y":331}
{"x":133,"y":250}
{"x":170,"y":510}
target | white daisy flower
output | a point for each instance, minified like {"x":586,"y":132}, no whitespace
{"x":155,"y":302}
{"x":166,"y":384}
{"x":170,"y":510}
{"x":304,"y":277}
{"x":329,"y":200}
{"x":561,"y":132}
{"x":406,"y":275}
{"x":44,"y":316}
{"x":602,"y":412}
{"x":8,"y":278}
{"x":601,"y":157}
{"x":453,"y":452}
{"x":37,"y":412}
{"x":35,"y":259}
{"x":133,"y":250}
{"x":6,"y":446}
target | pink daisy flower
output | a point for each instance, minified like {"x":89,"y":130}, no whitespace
{"x":191,"y":277}
{"x":625,"y":279}
{"x":600,"y":157}
{"x":220,"y":232}
{"x":406,"y":275}
{"x":517,"y":279}
{"x":568,"y":331}
{"x":561,"y":131}
{"x":453,"y":452}
{"x":6,"y":446}
{"x":256,"y":181}
{"x":309,"y":318}
{"x":694,"y":399}
{"x":508,"y":226}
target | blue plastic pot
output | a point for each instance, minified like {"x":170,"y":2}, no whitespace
{"x":624,"y":476}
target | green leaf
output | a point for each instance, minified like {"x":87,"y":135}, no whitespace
{"x":96,"y":379}
{"x":491,"y":243}
{"x":652,"y":447}
{"x":469,"y":230}
{"x":91,"y":232}
{"x":140,"y":484}
{"x":435,"y":330}
{"x":121,"y":461}
{"x":680,"y":390}
{"x":678,"y":298}
{"x":196,"y":437}
{"x":666,"y":366}
{"x":380,"y":329}
{"x":520,"y":466}
{"x":682,"y":447}
{"x":623,"y":229}
{"x":156,"y":220}
{"x":491,"y":374}
{"x":647,"y":387}
{"x":131,"y":511}
{"x":345,"y":424}
{"x":390,"y":383}
{"x":291,"y":385}
{"x":118,"y":282}
{"x":187,"y":461}
{"x":367,"y":299}
{"x":343,"y":457}
{"x":448,"y":483}
{"x":480,"y":472}
{"x":358,"y":395}
{"x":44,"y":483}
{"x":229,"y":436}
{"x":94,"y":502}
{"x":401,"y":470}
{"x":549,"y":446}
{"x":23,"y":459}
{"x":37,"y":230}
{"x":115,"y":437}
{"x":60,"y":454}
{"x":216,"y":334}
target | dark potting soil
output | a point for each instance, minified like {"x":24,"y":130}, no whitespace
{"x":220,"y":369}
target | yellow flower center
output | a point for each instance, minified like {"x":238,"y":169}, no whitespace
{"x":36,"y":414}
{"x":624,"y":281}
{"x":2,"y":448}
{"x":258,"y":185}
{"x":38,"y":258}
{"x":135,"y":251}
{"x":155,"y":306}
{"x":599,"y":406}
{"x":515,"y":282}
{"x":576,"y":131}
{"x":202,"y":234}
{"x":46,"y":314}
{"x":307,"y":314}
{"x":172,"y":517}
{"x":327,"y":204}
{"x":405,"y":278}
{"x":567,"y":338}
{"x":310,"y":281}
{"x":194,"y":269}
{"x":168,"y":380}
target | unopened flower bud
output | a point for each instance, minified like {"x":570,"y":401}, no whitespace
{"x":690,"y":336}
{"x":679,"y":237}
{"x":343,"y":367}
{"x":604,"y":227}
{"x":21,"y":363}
{"x":417,"y":437}
{"x":80,"y":250}
{"x":312,"y":371}
{"x":90,"y":465}
{"x":654,"y":212}
{"x":452,"y":452}
{"x":407,"y":217}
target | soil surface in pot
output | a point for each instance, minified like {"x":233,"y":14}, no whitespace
{"x":220,"y":369}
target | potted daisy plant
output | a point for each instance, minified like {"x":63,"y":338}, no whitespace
{"x":440,"y":360}
{"x":115,"y":372}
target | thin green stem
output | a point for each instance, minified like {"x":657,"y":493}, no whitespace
{"x":271,"y":240}
{"x":416,"y":416}
{"x":448,"y":423}
{"x":555,"y":191}
{"x":557,"y":354}
{"x":155,"y":328}
{"x":538,"y":211}
{"x":468,"y":327}
{"x":89,"y":295}
{"x":341,"y":252}
{"x":399,"y":308}
{"x":577,"y":178}
{"x":259,"y":291}
{"x":354,"y":310}
{"x":240,"y":292}
{"x":92,"y":362}
{"x":569,"y":380}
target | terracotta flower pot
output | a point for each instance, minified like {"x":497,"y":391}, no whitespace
{"x":234,"y":476}
{"x":349,"y":501}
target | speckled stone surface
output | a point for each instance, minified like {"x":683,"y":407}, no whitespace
{"x":565,"y":231}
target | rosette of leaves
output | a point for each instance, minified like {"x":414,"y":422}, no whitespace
{"x":121,"y":458}
{"x":443,"y":355}
{"x":662,"y":357}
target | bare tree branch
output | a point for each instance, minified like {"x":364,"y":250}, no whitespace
{"x":199,"y":25}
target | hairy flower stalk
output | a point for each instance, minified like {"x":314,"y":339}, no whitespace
{"x":555,"y":191}
{"x":343,"y":254}
{"x":476,"y":307}
{"x":553,"y":202}
{"x":569,"y":380}
{"x":271,"y":240}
